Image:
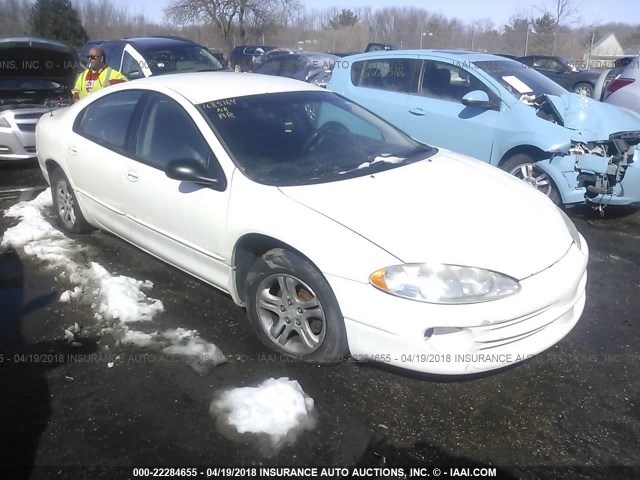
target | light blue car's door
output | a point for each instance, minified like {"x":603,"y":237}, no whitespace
{"x":436,"y":114}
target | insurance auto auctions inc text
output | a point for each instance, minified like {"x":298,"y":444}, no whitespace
{"x":366,"y":472}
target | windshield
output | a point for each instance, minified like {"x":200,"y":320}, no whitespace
{"x":301,"y":138}
{"x":188,"y":58}
{"x":519,"y":79}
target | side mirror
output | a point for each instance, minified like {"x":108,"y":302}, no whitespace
{"x":478,"y":98}
{"x":188,"y":170}
{"x":133,"y":75}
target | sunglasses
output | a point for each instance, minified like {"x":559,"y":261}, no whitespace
{"x":93,"y":57}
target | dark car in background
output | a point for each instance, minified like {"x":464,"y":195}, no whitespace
{"x":374,"y":47}
{"x":220,"y":56}
{"x":244,"y":56}
{"x":37,"y":77}
{"x":147,"y":56}
{"x":312,"y":67}
{"x":564,"y":72}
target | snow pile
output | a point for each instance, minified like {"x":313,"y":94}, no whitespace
{"x":118,"y":298}
{"x":121,"y":297}
{"x":275,"y":413}
{"x":34,"y":234}
{"x":198,"y":353}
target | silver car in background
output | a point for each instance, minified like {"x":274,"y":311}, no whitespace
{"x":36,"y":76}
{"x":622,"y":86}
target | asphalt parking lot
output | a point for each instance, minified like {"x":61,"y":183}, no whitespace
{"x":576,"y":405}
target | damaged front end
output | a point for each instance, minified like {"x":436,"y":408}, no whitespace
{"x":608,"y":170}
{"x":598,"y":171}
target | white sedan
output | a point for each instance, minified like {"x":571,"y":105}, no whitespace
{"x":340,"y":234}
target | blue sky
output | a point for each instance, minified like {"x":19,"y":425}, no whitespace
{"x":592,"y":11}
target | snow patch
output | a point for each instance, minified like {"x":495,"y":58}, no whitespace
{"x":275,"y":413}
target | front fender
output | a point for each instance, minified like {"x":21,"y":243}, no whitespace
{"x":561,"y":169}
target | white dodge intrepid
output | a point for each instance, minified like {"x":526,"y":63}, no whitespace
{"x":341,"y":235}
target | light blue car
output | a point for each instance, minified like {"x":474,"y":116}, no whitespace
{"x":572,"y":148}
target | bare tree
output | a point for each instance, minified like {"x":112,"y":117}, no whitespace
{"x":228,"y":15}
{"x":563,"y":12}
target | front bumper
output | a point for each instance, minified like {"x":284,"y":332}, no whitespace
{"x":465,"y":339}
{"x":18,"y":141}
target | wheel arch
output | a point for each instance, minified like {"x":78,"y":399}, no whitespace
{"x":51,"y":165}
{"x":534,"y":152}
{"x":248,"y":249}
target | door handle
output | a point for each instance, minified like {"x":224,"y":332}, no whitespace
{"x":73,"y":149}
{"x":417,"y":111}
{"x":132,"y":176}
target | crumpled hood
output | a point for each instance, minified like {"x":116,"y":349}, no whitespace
{"x":593,"y":120}
{"x":450,"y":209}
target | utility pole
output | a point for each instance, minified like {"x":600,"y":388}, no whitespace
{"x":593,"y":36}
{"x":526,"y":39}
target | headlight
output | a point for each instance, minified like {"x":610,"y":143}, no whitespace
{"x":441,"y":283}
{"x":4,"y":123}
{"x":572,"y":229}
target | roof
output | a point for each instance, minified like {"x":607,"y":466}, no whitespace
{"x":150,"y":42}
{"x":202,"y":87}
{"x":461,"y":55}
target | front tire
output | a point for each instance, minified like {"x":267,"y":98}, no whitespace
{"x":293,"y":309}
{"x":524,"y":167}
{"x":66,"y":205}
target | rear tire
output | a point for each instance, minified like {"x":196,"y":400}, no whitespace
{"x":293,"y":309}
{"x":583,"y":89}
{"x":66,"y":205}
{"x":524,"y":167}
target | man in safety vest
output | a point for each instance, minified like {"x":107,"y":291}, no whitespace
{"x":97,"y":76}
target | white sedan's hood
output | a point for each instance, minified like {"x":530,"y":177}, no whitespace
{"x":449,"y":209}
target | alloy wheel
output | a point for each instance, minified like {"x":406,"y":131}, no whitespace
{"x":290,"y":314}
{"x":534,"y":177}
{"x":66,"y":204}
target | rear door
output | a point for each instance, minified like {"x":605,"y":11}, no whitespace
{"x":96,"y":156}
{"x":383,"y":86}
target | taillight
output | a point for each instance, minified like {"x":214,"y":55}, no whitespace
{"x":618,"y":83}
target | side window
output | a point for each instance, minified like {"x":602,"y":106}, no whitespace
{"x":130,"y":67}
{"x":113,"y":56}
{"x":555,"y":65}
{"x":393,"y":74}
{"x":106,"y":121}
{"x":448,"y":82}
{"x":167,"y":133}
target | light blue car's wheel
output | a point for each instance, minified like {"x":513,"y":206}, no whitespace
{"x":524,"y":167}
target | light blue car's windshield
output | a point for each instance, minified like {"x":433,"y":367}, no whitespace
{"x":300,"y":138}
{"x":518,"y":79}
